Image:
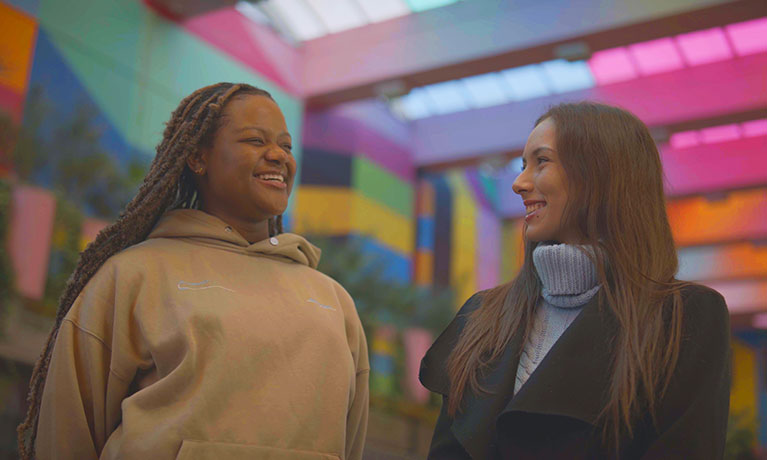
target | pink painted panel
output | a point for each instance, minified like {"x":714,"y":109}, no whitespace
{"x":252,"y":44}
{"x":743,"y":296}
{"x":417,"y":342}
{"x":32,"y":213}
{"x":711,"y":167}
{"x":91,"y":229}
{"x":488,"y":256}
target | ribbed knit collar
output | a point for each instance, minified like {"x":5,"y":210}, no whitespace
{"x":569,"y":278}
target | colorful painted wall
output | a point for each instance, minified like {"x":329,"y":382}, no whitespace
{"x":460,"y":236}
{"x":357,"y":180}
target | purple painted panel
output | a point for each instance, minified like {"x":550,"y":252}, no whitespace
{"x":488,"y":262}
{"x":329,"y":131}
{"x":472,"y":177}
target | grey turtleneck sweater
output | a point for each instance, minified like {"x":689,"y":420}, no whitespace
{"x":569,"y":281}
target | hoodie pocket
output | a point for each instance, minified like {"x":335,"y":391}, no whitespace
{"x":206,"y":450}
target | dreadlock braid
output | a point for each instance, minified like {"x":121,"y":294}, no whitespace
{"x":168,"y":184}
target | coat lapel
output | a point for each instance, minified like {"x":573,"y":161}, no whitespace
{"x":574,"y":377}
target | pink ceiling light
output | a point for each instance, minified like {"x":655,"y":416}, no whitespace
{"x":720,"y":133}
{"x":704,"y":46}
{"x":748,"y":37}
{"x":611,"y":66}
{"x":656,"y":56}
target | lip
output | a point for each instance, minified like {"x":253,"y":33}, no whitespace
{"x":270,"y":183}
{"x":529,"y":217}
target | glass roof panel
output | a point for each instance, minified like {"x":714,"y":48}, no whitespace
{"x":297,"y":17}
{"x":748,"y":37}
{"x":567,"y":76}
{"x":422,"y":5}
{"x":486,"y":90}
{"x":381,"y":10}
{"x":656,"y":56}
{"x":447,"y":97}
{"x":611,"y":66}
{"x":338,"y":15}
{"x":704,"y":46}
{"x":525,"y":82}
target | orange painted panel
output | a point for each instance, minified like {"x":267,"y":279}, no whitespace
{"x":424,"y":267}
{"x":739,"y":216}
{"x":17,"y":38}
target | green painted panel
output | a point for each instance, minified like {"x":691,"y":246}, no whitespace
{"x":382,"y":186}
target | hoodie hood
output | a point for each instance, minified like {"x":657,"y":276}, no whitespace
{"x":208,"y":230}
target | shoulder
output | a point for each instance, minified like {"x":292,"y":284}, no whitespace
{"x":705,"y":310}
{"x":433,"y":372}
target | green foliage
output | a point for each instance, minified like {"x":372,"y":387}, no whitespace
{"x":65,"y":153}
{"x":65,"y":250}
{"x":6,"y":271}
{"x":378,"y":299}
{"x":741,"y":437}
{"x":381,"y":301}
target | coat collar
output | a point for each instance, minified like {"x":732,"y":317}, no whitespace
{"x":572,"y":380}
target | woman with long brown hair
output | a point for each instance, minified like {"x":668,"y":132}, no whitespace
{"x":594,"y":350}
{"x":193,"y":327}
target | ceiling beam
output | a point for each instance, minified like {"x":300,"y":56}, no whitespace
{"x":473,"y":37}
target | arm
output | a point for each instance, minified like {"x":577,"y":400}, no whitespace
{"x":81,"y":400}
{"x":357,"y":417}
{"x":444,"y":444}
{"x":692,"y":417}
{"x":89,"y":375}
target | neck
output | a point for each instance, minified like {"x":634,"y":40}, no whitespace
{"x":251,"y":230}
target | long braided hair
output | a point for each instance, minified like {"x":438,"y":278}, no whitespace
{"x":169,"y":184}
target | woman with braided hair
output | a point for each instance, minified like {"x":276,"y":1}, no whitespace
{"x":193,"y":327}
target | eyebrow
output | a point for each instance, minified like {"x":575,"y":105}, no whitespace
{"x":538,"y":151}
{"x":247,"y":128}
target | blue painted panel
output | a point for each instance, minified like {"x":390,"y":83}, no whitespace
{"x":395,"y":266}
{"x":425,"y":233}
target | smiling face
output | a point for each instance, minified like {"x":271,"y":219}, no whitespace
{"x":246,"y":175}
{"x":543,"y":187}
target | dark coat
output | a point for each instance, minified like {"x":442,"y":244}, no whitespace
{"x":555,"y":413}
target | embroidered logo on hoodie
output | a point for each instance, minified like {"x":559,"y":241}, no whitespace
{"x":326,"y":307}
{"x":205,"y":284}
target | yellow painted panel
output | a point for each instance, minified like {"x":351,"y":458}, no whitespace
{"x":17,"y":39}
{"x":424,"y":267}
{"x":463,"y":240}
{"x":513,"y":247}
{"x":323,"y":210}
{"x":384,"y":224}
{"x":744,"y":380}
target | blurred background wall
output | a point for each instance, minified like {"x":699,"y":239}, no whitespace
{"x":409,"y":117}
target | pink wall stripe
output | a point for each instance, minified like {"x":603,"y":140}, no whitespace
{"x":417,"y":342}
{"x":32,"y":213}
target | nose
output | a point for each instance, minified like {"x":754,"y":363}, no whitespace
{"x":275,"y":154}
{"x":522,"y":184}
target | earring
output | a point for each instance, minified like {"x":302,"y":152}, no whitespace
{"x":199,"y":171}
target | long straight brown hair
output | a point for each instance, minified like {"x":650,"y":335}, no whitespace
{"x":615,"y":203}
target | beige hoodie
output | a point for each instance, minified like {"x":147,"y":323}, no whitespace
{"x":195,"y":344}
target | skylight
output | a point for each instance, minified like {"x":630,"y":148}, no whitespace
{"x":302,"y":20}
{"x":603,"y":68}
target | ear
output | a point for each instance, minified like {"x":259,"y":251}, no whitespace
{"x":197,"y":162}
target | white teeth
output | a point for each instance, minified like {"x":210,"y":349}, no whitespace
{"x":534,"y":207}
{"x":276,"y":177}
